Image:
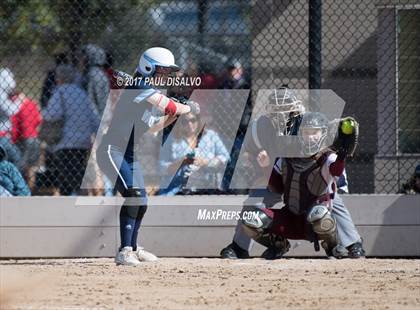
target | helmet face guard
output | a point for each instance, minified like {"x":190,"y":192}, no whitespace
{"x":283,"y":108}
{"x":315,"y":142}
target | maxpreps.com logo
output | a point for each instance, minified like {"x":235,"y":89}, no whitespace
{"x":223,"y":215}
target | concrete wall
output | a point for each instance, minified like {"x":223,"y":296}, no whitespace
{"x":88,"y":226}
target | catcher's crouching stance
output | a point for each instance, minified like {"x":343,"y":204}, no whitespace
{"x":308,"y":188}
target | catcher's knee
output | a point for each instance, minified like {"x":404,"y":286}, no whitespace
{"x":135,"y":204}
{"x":323,"y":224}
{"x":257,"y":227}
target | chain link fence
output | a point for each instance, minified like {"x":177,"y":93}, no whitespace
{"x":367,"y":52}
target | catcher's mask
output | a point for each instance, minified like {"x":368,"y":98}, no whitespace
{"x":284,"y":109}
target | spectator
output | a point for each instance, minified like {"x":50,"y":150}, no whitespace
{"x":180,"y":91}
{"x":71,"y":104}
{"x":49,"y":83}
{"x":208,"y":78}
{"x":94,"y":77}
{"x":234,"y":77}
{"x":11,"y":181}
{"x":412,"y":186}
{"x":109,"y":62}
{"x":24,"y":134}
{"x":7,"y":109}
{"x":192,"y":154}
{"x":24,"y":122}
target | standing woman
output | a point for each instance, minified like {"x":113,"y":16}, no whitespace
{"x":141,"y":108}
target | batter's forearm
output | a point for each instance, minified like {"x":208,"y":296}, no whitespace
{"x":163,"y":122}
{"x":167,"y":105}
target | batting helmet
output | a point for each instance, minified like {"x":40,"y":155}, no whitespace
{"x":156,"y":57}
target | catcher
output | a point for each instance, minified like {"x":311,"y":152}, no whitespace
{"x":349,"y":239}
{"x":308,"y":188}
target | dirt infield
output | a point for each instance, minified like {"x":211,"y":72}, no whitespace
{"x":177,"y":283}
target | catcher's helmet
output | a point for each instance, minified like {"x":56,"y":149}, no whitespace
{"x":154,"y":58}
{"x":313,"y":131}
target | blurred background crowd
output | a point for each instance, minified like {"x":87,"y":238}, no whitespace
{"x":76,"y":95}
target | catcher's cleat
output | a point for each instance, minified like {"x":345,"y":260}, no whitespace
{"x":336,"y":252}
{"x":280,"y":247}
{"x":356,"y":250}
{"x":234,"y":251}
{"x":145,"y":256}
{"x":126,"y":257}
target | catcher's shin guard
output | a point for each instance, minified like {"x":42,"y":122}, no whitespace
{"x":256,"y":225}
{"x":324,"y":226}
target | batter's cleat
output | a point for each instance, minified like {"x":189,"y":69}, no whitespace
{"x":144,"y":256}
{"x":356,"y":250}
{"x":234,"y":251}
{"x":280,"y":247}
{"x":127,"y":257}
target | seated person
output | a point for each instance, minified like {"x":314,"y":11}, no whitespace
{"x":412,"y":186}
{"x":11,"y":181}
{"x":192,"y":151}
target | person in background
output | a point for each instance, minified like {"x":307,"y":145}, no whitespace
{"x":94,"y":77}
{"x":412,"y":186}
{"x":208,"y":78}
{"x":49,"y":83}
{"x":109,"y":62}
{"x":72,"y":104}
{"x":11,"y":181}
{"x":100,"y":180}
{"x":234,"y":77}
{"x":8,"y":108}
{"x":24,"y":134}
{"x":191,"y":154}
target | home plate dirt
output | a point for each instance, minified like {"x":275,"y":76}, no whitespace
{"x":180,"y":283}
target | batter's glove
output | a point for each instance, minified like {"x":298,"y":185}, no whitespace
{"x":194,"y":106}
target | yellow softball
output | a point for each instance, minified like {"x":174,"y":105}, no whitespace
{"x":347,"y":127}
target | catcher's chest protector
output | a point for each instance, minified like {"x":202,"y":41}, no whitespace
{"x":303,"y":182}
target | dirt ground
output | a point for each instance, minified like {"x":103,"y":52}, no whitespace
{"x":181,"y":283}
